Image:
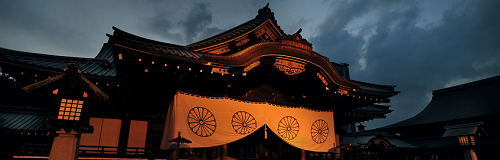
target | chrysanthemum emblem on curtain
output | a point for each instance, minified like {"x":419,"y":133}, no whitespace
{"x":201,"y":121}
{"x":288,"y":127}
{"x":243,"y":122}
{"x":319,"y":131}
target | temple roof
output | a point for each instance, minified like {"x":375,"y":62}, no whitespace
{"x":475,"y":99}
{"x":70,"y":72}
{"x":264,"y":15}
{"x":23,"y":118}
{"x":384,"y":109}
{"x":102,"y":65}
{"x":133,"y":42}
{"x":364,"y":138}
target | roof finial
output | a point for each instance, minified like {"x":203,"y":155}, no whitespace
{"x":300,"y":30}
{"x":267,"y":5}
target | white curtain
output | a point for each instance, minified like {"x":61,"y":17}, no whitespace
{"x":213,"y":121}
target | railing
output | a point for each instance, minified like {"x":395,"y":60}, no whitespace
{"x":29,"y":149}
{"x":122,"y":152}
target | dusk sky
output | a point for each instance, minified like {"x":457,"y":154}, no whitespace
{"x":419,"y":46}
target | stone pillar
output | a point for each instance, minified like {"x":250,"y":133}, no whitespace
{"x":65,"y":146}
{"x":469,"y":154}
{"x":223,"y":152}
{"x":302,"y":154}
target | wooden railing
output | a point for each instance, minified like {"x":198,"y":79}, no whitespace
{"x":29,"y":149}
{"x":122,"y":152}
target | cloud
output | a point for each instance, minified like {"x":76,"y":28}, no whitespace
{"x":195,"y":26}
{"x":461,"y":80}
{"x":400,"y":51}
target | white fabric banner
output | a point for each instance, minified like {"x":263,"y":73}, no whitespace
{"x":214,"y":121}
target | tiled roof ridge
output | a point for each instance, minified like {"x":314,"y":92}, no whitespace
{"x":131,"y":36}
{"x":47,"y":56}
{"x":466,"y":85}
{"x":263,"y":15}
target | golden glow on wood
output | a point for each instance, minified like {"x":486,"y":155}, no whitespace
{"x":251,"y":66}
{"x":244,"y":74}
{"x":341,"y":91}
{"x":219,"y":70}
{"x":322,"y":78}
{"x":289,"y":67}
{"x":55,"y":91}
{"x":242,"y":42}
{"x":85,"y":94}
{"x":70,"y":109}
{"x":137,"y":136}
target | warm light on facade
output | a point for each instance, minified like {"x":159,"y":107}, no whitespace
{"x":244,"y":74}
{"x":55,"y":91}
{"x":120,"y":56}
{"x":289,"y":67}
{"x":146,"y":69}
{"x":152,"y":62}
{"x":341,"y":91}
{"x":70,"y":109}
{"x":140,"y":60}
{"x":251,"y":66}
{"x":85,"y":94}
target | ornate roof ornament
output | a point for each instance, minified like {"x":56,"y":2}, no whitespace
{"x":296,"y":40}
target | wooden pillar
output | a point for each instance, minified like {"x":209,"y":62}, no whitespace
{"x":469,"y":154}
{"x":204,"y":153}
{"x":65,"y":146}
{"x":223,"y":152}
{"x":302,"y":154}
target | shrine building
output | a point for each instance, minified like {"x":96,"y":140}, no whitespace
{"x":251,"y":92}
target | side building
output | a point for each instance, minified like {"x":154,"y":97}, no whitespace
{"x":460,"y":122}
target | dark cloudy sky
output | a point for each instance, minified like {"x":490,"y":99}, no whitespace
{"x":419,"y":46}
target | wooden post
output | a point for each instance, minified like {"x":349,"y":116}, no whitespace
{"x":469,"y":154}
{"x":204,"y":153}
{"x":223,"y":152}
{"x":302,"y":154}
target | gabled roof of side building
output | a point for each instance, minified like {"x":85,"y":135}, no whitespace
{"x":475,"y":99}
{"x":102,"y":65}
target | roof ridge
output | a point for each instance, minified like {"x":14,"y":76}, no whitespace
{"x":264,"y":14}
{"x":466,"y":85}
{"x":133,"y":36}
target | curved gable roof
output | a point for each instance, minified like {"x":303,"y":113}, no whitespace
{"x":470,"y":100}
